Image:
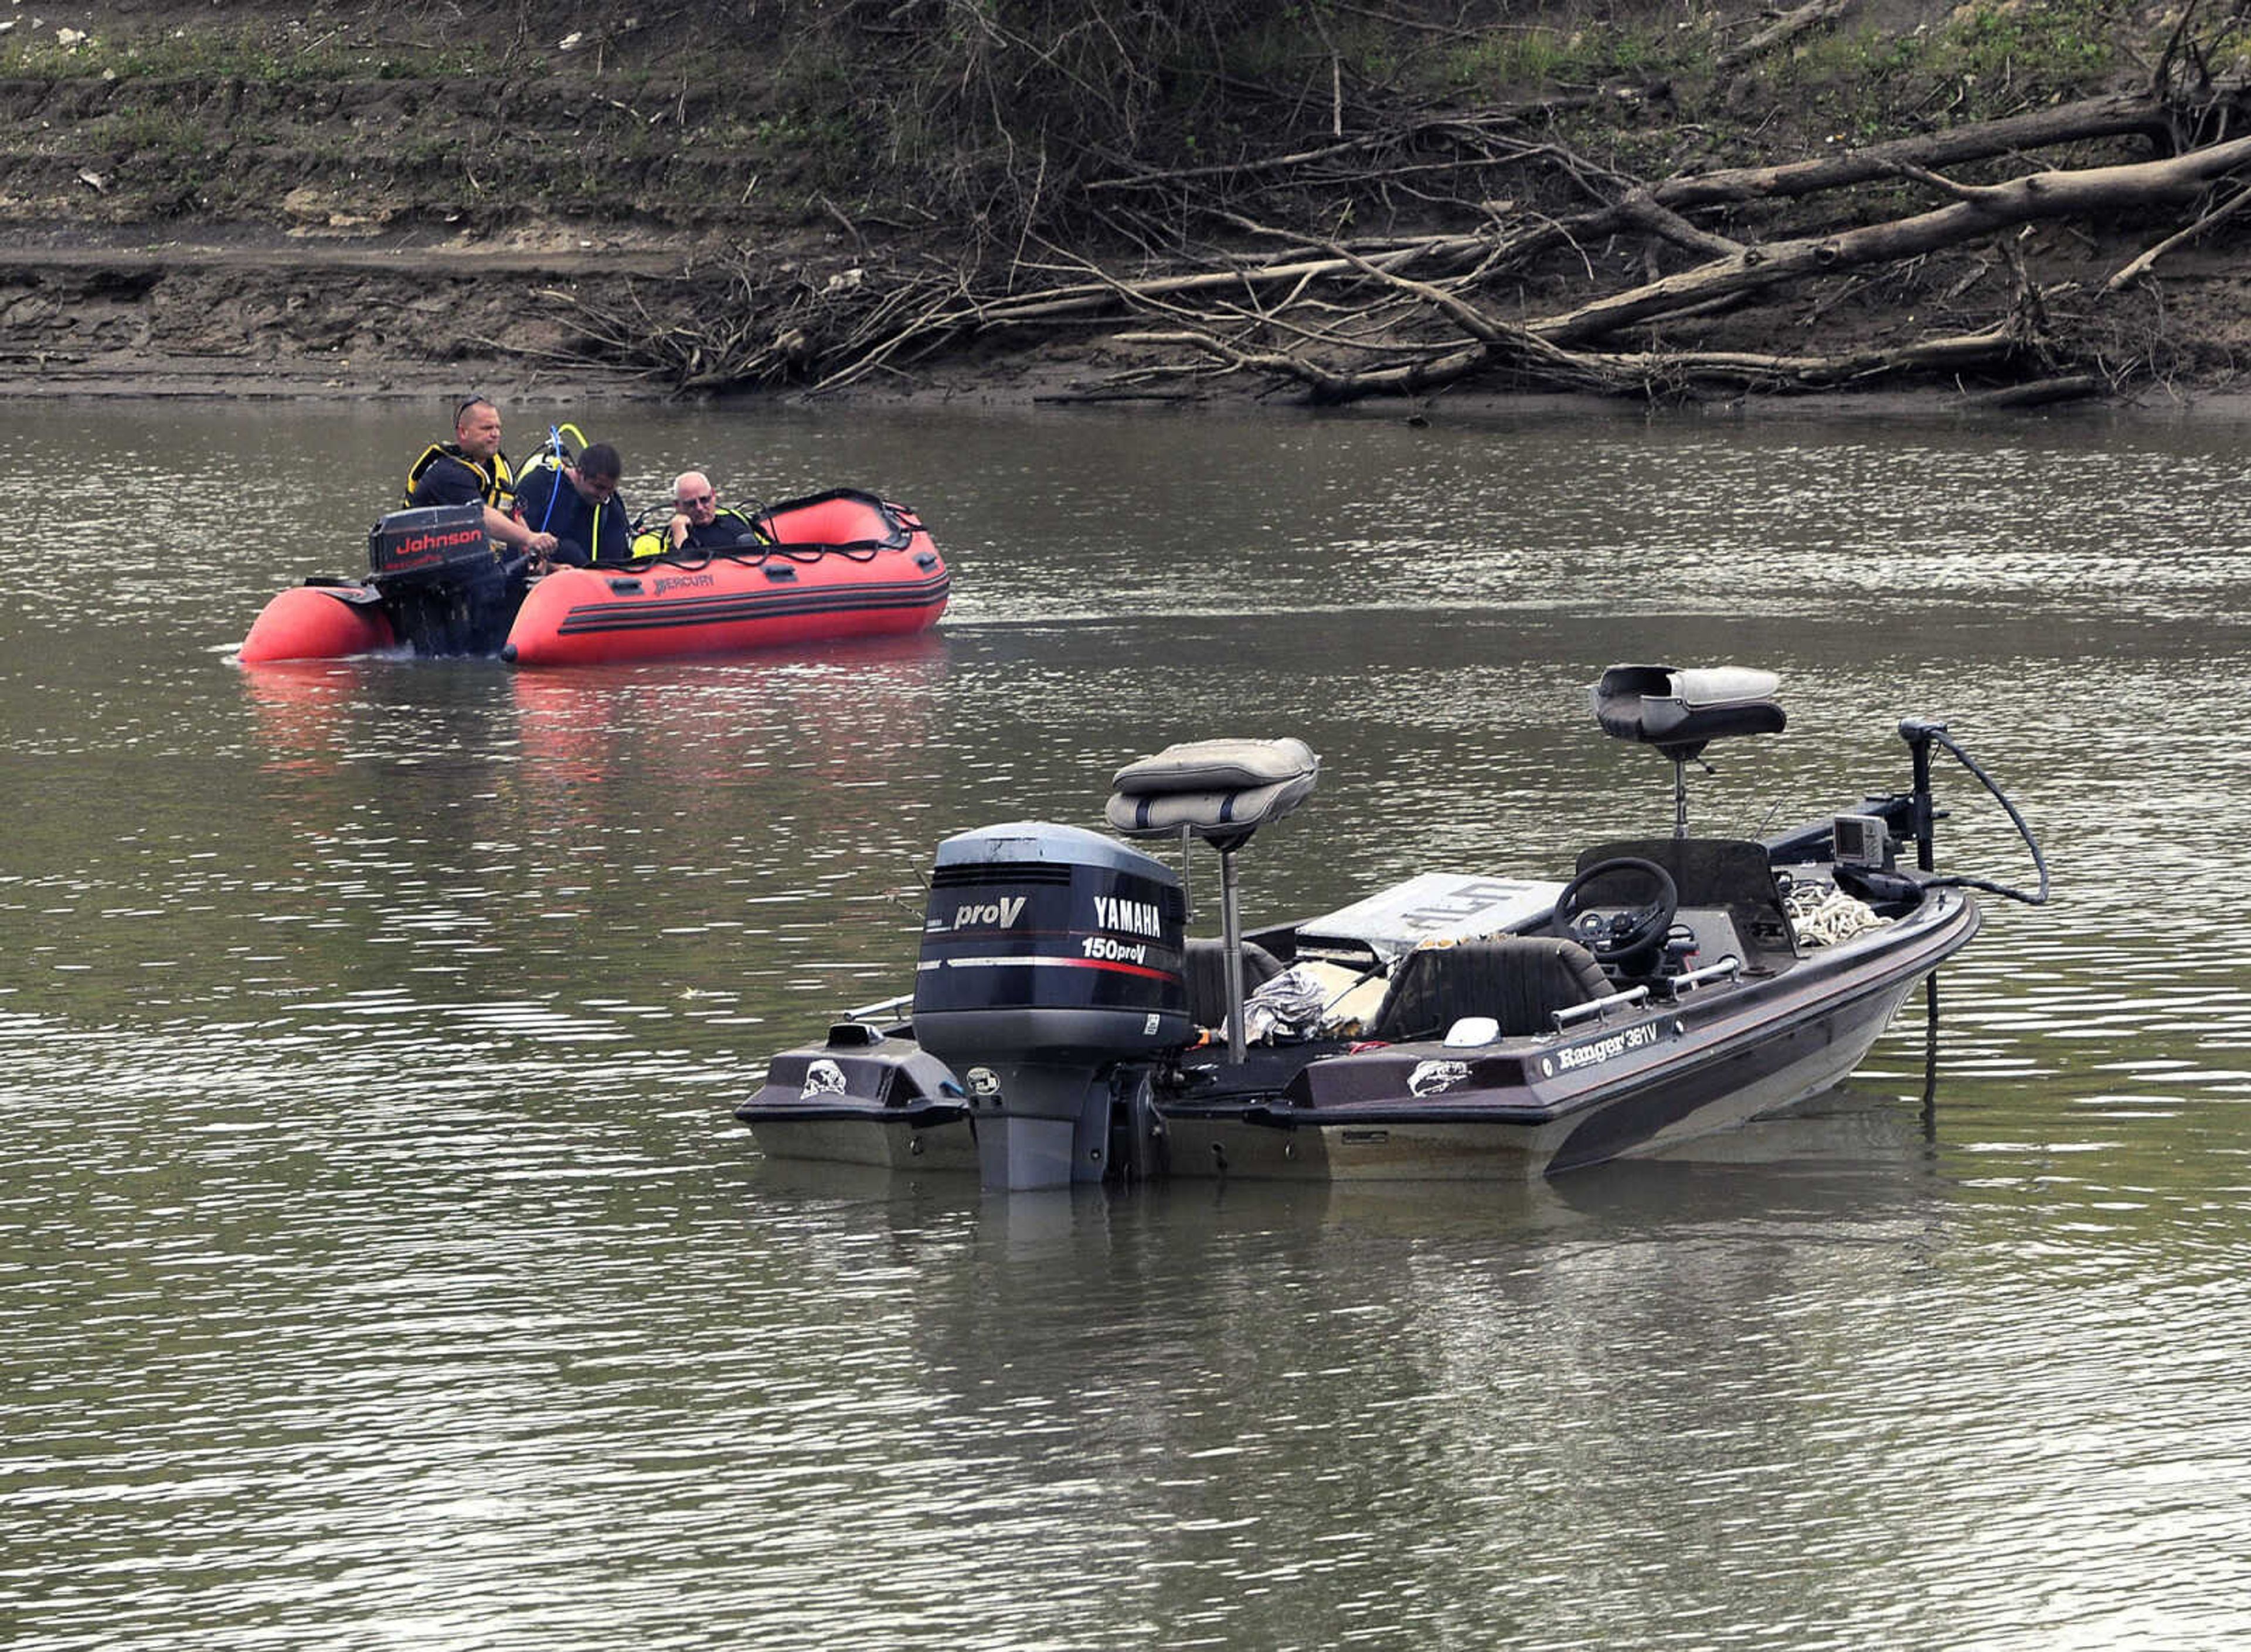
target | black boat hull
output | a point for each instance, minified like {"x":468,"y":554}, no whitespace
{"x":1662,"y":1075}
{"x":1635,"y":1083}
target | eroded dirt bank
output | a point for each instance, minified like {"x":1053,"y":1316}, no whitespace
{"x":155,"y":315}
{"x":243,"y":199}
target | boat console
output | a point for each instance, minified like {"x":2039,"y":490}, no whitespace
{"x":1725,"y":884}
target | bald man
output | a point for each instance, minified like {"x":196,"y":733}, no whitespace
{"x":471,"y":469}
{"x":700,"y":522}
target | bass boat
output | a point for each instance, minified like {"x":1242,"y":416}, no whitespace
{"x":1064,"y":1029}
{"x":832,"y":565}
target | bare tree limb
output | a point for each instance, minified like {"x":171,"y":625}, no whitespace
{"x":2122,"y":115}
{"x":1985,"y":209}
{"x":2138,"y":266}
{"x":1782,"y":30}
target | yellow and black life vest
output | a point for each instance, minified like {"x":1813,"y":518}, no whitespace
{"x":655,"y":541}
{"x":728,"y":513}
{"x":495,"y":481}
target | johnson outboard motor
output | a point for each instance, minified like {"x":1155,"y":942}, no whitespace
{"x":1051,"y":959}
{"x":445,"y":590}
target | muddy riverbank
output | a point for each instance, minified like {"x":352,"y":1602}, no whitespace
{"x":261,"y":201}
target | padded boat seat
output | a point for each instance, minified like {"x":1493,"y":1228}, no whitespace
{"x":1681,"y":712}
{"x":1220,"y":790}
{"x":1205,"y":964}
{"x":1520,"y":981}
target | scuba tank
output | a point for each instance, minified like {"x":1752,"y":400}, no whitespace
{"x":561,"y":448}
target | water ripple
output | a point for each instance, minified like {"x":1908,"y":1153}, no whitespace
{"x":379,"y":1263}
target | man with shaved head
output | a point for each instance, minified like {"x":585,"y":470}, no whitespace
{"x":471,"y":469}
{"x":700,"y":522}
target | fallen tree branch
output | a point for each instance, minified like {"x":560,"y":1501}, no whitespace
{"x":2136,"y":267}
{"x":1782,"y":30}
{"x":1542,"y":365}
{"x":1343,"y":318}
{"x":2119,"y":115}
{"x":1982,"y":210}
{"x":2041,"y":392}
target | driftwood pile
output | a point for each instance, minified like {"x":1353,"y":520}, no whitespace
{"x":1632,"y":287}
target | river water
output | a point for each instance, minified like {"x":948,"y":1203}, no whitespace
{"x":380,"y":1265}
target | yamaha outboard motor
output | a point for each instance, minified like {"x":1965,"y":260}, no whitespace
{"x":1050,"y":956}
{"x":445,"y":590}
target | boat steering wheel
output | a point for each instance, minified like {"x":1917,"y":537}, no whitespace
{"x":1620,"y":938}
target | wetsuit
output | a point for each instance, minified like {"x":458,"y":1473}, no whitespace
{"x":584,"y":532}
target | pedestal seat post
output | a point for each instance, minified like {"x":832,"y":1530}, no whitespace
{"x":1222,"y":791}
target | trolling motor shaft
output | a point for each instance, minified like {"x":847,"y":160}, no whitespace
{"x":1920,"y":733}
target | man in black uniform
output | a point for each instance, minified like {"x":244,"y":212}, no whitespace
{"x":471,"y":469}
{"x":576,"y":506}
{"x":700,"y":522}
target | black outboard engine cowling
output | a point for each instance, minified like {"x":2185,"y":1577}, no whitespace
{"x":1049,"y":955}
{"x":444,"y":589}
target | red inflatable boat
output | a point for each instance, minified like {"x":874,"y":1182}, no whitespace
{"x":837,"y":565}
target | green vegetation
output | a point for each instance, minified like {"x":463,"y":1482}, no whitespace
{"x":993,"y":113}
{"x":2059,"y":44}
{"x":1858,"y":85}
{"x":256,"y":56}
{"x":1543,"y":59}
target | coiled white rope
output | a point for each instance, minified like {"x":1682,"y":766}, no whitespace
{"x":1823,"y":914}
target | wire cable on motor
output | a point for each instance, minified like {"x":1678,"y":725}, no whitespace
{"x":1936,"y":733}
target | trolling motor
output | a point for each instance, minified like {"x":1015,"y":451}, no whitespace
{"x":1921,"y":734}
{"x":1863,"y":843}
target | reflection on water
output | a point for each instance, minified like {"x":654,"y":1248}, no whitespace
{"x":378,"y":1261}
